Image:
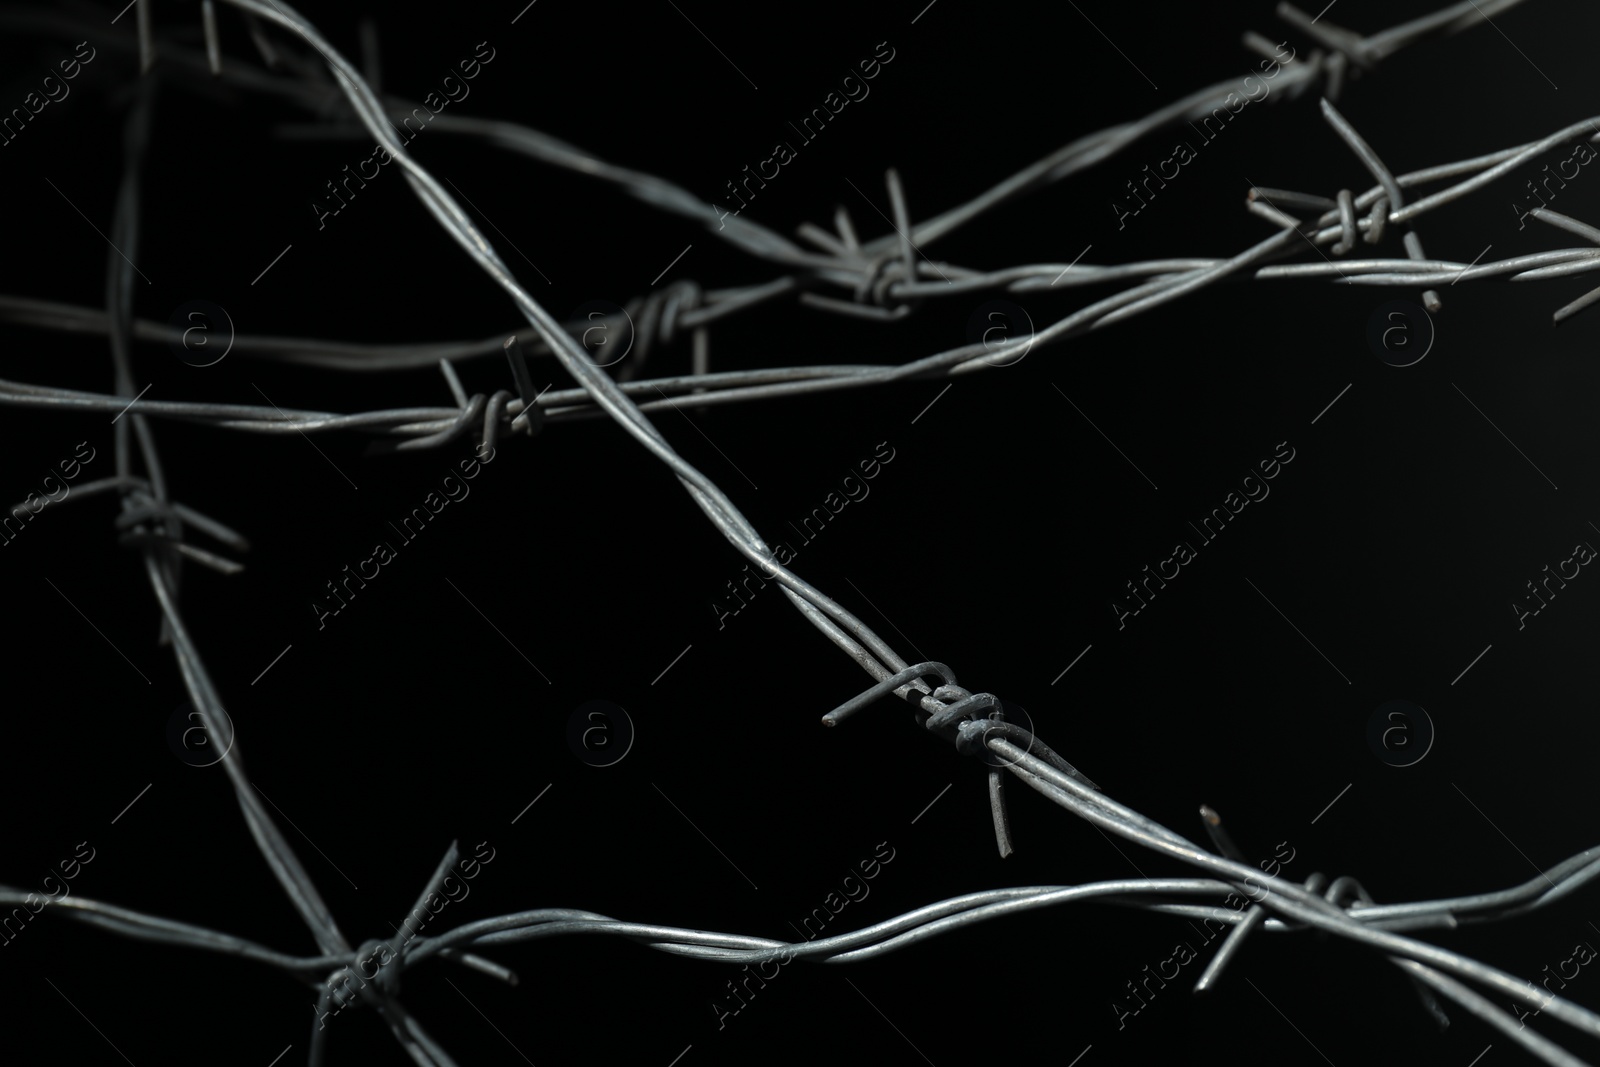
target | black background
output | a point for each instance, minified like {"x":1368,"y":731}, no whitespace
{"x":993,"y":541}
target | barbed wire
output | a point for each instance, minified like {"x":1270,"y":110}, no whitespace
{"x":433,"y":426}
{"x":885,"y":279}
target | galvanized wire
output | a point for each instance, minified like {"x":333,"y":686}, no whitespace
{"x":881,"y":278}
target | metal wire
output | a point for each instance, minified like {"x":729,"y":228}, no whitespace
{"x":880,"y":278}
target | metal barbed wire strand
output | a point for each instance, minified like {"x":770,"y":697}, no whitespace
{"x":162,"y":570}
{"x":752,"y":237}
{"x":563,"y":405}
{"x":163,"y":577}
{"x":432,"y":421}
{"x":280,"y":857}
{"x":119,"y":301}
{"x":1297,"y":902}
{"x":698,"y":486}
{"x":718,"y":509}
{"x":588,"y":162}
{"x":1040,"y":774}
{"x":285,"y":865}
{"x":975,"y":907}
{"x":860,"y":641}
{"x":1189,"y":283}
{"x":890,"y":935}
{"x":874,"y":940}
{"x":1391,"y":189}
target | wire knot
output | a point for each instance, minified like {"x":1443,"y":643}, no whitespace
{"x":375,"y":963}
{"x":148,"y":523}
{"x":879,"y":275}
{"x":148,"y":516}
{"x":676,"y":299}
{"x":940,"y":699}
{"x":952,"y":706}
{"x":386,"y":968}
{"x":655,"y":318}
